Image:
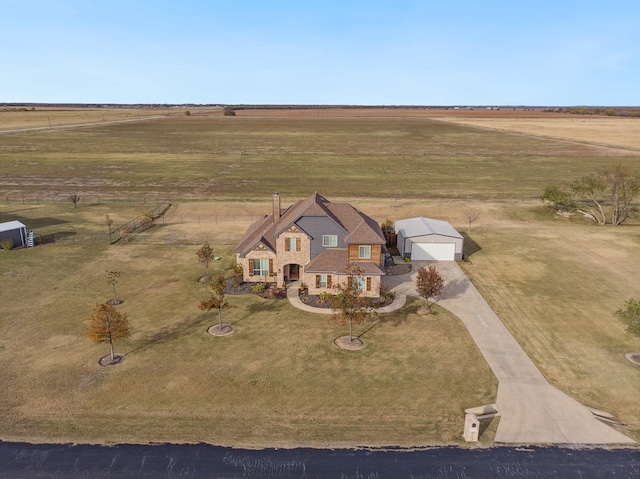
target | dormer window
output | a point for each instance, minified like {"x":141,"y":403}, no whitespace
{"x":364,"y":252}
{"x":329,"y":241}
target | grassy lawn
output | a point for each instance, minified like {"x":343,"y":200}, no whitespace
{"x":279,"y":380}
{"x":556,"y":286}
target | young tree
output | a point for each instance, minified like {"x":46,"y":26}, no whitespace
{"x":112,"y":278}
{"x":107,"y":325}
{"x":109,"y":222}
{"x":237,"y":275}
{"x":429,"y":284}
{"x":217,"y":299}
{"x":350,"y":305}
{"x":74,"y":199}
{"x":205,"y":256}
{"x":471,"y":216}
{"x":630,"y":314}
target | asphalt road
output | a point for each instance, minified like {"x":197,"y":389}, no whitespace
{"x":20,"y":460}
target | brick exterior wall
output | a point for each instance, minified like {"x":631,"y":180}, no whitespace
{"x":310,"y":280}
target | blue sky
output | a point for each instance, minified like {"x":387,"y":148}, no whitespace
{"x":369,"y":52}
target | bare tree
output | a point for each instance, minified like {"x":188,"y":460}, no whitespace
{"x":429,"y":284}
{"x":112,"y":278}
{"x":108,"y":221}
{"x":471,"y":216}
{"x":623,"y":184}
{"x":107,"y":325}
{"x":74,"y":199}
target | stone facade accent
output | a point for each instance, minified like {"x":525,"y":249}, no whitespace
{"x":471,"y":427}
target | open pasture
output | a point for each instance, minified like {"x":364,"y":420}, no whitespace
{"x":555,"y":282}
{"x":214,"y":157}
{"x":615,"y":133}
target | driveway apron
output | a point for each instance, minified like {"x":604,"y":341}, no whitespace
{"x":532,"y":410}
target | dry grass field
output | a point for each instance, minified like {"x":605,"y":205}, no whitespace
{"x":617,"y":133}
{"x":555,"y":282}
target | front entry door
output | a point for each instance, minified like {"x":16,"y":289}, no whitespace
{"x":294,"y":272}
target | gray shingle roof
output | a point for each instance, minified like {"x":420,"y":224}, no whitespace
{"x":360,"y":228}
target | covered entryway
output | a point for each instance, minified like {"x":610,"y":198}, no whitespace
{"x":433,"y":251}
{"x":292,"y":272}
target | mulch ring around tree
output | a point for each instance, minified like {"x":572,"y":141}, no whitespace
{"x":204,"y":279}
{"x":221,"y":330}
{"x":354,"y":344}
{"x":115,"y":302}
{"x":633,"y":357}
{"x":106,"y":361}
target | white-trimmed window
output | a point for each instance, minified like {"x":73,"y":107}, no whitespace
{"x":329,"y":241}
{"x":364,"y":252}
{"x":323,"y":281}
{"x":292,"y":244}
{"x":363,"y":283}
{"x":260,"y":267}
{"x":359,"y":282}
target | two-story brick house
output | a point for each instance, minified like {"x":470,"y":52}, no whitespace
{"x":316,"y":242}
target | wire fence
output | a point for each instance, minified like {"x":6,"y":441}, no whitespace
{"x":175,"y":239}
{"x":130,"y":230}
{"x":84,"y":200}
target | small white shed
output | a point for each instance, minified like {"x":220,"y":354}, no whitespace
{"x":15,"y":231}
{"x":427,"y":239}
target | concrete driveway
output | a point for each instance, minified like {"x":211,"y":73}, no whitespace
{"x":532,"y":410}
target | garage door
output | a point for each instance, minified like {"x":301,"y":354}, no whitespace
{"x":433,"y":251}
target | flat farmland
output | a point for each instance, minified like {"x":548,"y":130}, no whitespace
{"x":621,"y":133}
{"x":279,"y":381}
{"x":208,"y":156}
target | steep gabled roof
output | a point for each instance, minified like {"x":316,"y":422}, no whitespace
{"x":314,"y":205}
{"x":359,"y":227}
{"x":259,"y":232}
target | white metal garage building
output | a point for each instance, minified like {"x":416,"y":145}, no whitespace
{"x":426,"y":239}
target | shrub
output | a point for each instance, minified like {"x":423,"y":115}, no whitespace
{"x":6,"y":244}
{"x":407,"y":259}
{"x":258,"y":288}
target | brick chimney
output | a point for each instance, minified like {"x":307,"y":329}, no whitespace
{"x":276,"y":207}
